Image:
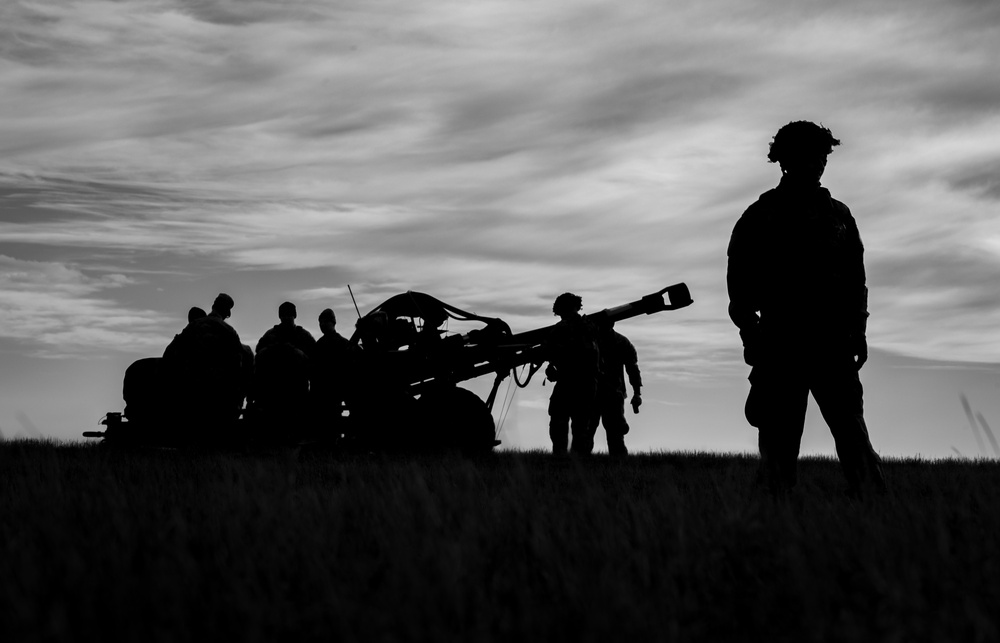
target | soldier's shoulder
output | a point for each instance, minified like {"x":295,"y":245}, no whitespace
{"x":333,"y":339}
{"x":625,"y":344}
{"x":269,"y":335}
{"x":752,"y":221}
{"x":207,"y":323}
{"x":840,"y":207}
{"x":759,"y":209}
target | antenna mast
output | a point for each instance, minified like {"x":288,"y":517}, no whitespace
{"x":354,"y":300}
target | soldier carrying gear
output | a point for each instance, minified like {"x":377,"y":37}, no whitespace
{"x":574,"y":362}
{"x":797,"y":293}
{"x":618,"y":356}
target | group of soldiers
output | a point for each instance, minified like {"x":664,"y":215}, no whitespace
{"x":798,"y":294}
{"x":797,"y":291}
{"x":289,"y":374}
{"x":587,"y":363}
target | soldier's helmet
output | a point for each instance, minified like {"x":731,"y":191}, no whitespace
{"x":223,"y":303}
{"x":196,"y":313}
{"x":801,"y":139}
{"x":327,"y":316}
{"x":287,"y":311}
{"x":567,"y":303}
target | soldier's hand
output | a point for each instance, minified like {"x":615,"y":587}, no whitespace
{"x":860,"y":351}
{"x":550,"y":372}
{"x":636,"y":402}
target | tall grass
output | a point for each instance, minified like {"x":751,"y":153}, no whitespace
{"x":171,"y":545}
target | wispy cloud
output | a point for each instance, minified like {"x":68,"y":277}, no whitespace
{"x":492,"y":153}
{"x":59,"y":310}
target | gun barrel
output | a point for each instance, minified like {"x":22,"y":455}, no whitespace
{"x":526,"y":348}
{"x":677,"y":296}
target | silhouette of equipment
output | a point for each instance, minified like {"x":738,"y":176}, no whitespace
{"x":403,"y":392}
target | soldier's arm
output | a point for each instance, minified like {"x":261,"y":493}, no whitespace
{"x":858,"y":287}
{"x":741,"y":277}
{"x":631,"y":359}
{"x":742,"y":281}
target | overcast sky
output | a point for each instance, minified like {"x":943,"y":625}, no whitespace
{"x":494,"y":154}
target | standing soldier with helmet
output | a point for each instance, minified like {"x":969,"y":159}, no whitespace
{"x":331,"y":365}
{"x":574,"y":362}
{"x":618,"y":357}
{"x":797,"y":292}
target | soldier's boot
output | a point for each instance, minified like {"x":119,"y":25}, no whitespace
{"x":861,"y":465}
{"x":778,"y":463}
{"x":616,"y":444}
{"x":863,"y":471}
{"x":583,"y":434}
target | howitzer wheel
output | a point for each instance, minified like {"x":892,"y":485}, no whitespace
{"x":456,"y":419}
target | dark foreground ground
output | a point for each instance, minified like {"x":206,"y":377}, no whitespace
{"x":99,"y":544}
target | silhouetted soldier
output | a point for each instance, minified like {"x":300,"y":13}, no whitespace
{"x":287,"y":332}
{"x":331,"y":364}
{"x":281,"y":374}
{"x":205,"y":363}
{"x":618,"y":356}
{"x":572,"y":353}
{"x":196,"y":313}
{"x":797,"y":293}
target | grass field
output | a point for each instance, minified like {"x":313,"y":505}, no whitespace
{"x":101,"y":544}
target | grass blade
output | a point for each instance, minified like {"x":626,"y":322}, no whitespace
{"x":972,"y":423}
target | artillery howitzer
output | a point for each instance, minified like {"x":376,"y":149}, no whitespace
{"x":402,"y":392}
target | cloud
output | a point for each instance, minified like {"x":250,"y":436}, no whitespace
{"x":58,"y":310}
{"x":493,"y":153}
{"x":981,"y":179}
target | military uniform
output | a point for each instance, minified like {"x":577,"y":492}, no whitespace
{"x":572,"y":352}
{"x":618,"y":356}
{"x":281,"y":376}
{"x":290,"y":334}
{"x":331,"y":364}
{"x":796,"y":258}
{"x":204,"y":370}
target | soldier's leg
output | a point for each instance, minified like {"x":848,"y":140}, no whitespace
{"x":777,"y":407}
{"x":583,"y":433}
{"x":840,"y":396}
{"x":559,"y":421}
{"x":615,"y":425}
{"x":582,"y":415}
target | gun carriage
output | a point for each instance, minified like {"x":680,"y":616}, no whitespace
{"x":401,"y":390}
